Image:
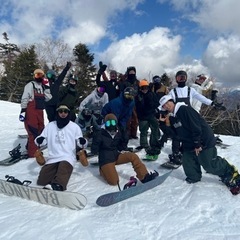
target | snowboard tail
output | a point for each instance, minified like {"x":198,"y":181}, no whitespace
{"x":115,"y":197}
{"x":65,"y":199}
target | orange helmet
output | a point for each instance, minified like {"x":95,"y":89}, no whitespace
{"x":143,"y":83}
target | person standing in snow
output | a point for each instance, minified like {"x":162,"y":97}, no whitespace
{"x":33,"y":101}
{"x":61,"y":136}
{"x":198,"y":145}
{"x":54,"y":83}
{"x":108,"y":145}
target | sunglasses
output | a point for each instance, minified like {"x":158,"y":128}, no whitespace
{"x":181,"y":78}
{"x":63,"y":111}
{"x":38,"y":75}
{"x":144,"y":88}
{"x":128,"y":96}
{"x":110,"y":122}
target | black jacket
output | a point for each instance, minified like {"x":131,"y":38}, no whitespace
{"x":146,"y":105}
{"x":191,"y":129}
{"x":107,"y":147}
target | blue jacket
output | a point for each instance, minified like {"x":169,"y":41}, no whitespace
{"x":121,"y":108}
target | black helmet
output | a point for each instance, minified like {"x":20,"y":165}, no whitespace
{"x":129,"y":93}
{"x":181,"y":72}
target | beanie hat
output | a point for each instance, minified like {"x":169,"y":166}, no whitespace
{"x":63,"y":107}
{"x":110,"y":116}
{"x":143,"y":83}
{"x":38,"y":71}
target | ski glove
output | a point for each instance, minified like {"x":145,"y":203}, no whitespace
{"x":218,"y":106}
{"x":39,"y":140}
{"x":22,"y":117}
{"x":102,"y":68}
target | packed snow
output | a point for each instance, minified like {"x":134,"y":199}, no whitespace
{"x":173,"y":210}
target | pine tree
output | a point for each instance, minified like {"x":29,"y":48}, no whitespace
{"x":85,"y":70}
{"x":17,"y":73}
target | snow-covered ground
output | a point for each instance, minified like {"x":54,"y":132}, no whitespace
{"x":173,"y":210}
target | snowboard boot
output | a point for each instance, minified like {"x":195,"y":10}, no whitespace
{"x":232,"y":180}
{"x":150,"y":176}
{"x":56,"y":187}
{"x":175,"y":158}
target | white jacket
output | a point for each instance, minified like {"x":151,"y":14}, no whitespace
{"x":61,"y":142}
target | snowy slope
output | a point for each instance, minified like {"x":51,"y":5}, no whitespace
{"x":174,"y":210}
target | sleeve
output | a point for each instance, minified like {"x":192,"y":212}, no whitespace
{"x":200,"y":97}
{"x":27,"y":95}
{"x":86,"y":101}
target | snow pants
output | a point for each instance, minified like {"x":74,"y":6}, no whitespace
{"x":208,"y":159}
{"x":59,"y":172}
{"x":151,"y":123}
{"x":132,"y":125}
{"x":109,"y":172}
{"x":34,"y":124}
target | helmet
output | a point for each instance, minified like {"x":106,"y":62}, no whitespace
{"x":181,"y":76}
{"x":51,"y":74}
{"x":156,"y":79}
{"x":143,"y":83}
{"x":129,"y":93}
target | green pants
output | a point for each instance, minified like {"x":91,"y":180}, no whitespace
{"x":208,"y":159}
{"x":151,"y":123}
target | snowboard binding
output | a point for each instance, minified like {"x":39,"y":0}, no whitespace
{"x":16,"y":181}
{"x":15,"y":153}
{"x":132,"y":183}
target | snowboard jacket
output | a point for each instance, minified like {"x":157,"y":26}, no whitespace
{"x":94,"y":102}
{"x":191,"y":129}
{"x":121,"y":108}
{"x":61,"y":142}
{"x":187,"y":94}
{"x":106,"y":146}
{"x":54,"y":87}
{"x":146,"y":105}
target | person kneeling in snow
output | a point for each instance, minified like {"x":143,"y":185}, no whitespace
{"x":198,"y":145}
{"x":61,"y":137}
{"x":108,"y":144}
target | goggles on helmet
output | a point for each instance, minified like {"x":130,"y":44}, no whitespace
{"x":112,"y":122}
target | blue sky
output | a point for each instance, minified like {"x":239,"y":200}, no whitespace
{"x":156,"y":36}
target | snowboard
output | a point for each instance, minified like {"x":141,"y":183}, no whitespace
{"x":22,"y":135}
{"x":16,"y":155}
{"x":65,"y":199}
{"x":170,"y":165}
{"x":115,"y":197}
{"x":222,"y":145}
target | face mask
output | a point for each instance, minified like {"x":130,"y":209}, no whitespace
{"x":38,"y":80}
{"x":181,"y":84}
{"x":131,"y":77}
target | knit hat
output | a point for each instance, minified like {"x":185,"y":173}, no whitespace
{"x":181,"y":72}
{"x":38,"y":71}
{"x":63,"y":107}
{"x":110,"y":116}
{"x":132,"y":68}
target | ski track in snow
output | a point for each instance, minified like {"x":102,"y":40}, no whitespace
{"x":173,"y":210}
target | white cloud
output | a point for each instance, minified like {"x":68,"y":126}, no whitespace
{"x":150,"y":52}
{"x":222,"y":58}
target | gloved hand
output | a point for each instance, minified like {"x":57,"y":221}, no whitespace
{"x":218,"y":106}
{"x":82,"y":141}
{"x":22,"y":115}
{"x":69,"y":64}
{"x":40,"y":140}
{"x":102,"y":68}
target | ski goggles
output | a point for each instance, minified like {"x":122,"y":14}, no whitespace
{"x":181,"y":78}
{"x":63,"y":111}
{"x":108,"y":123}
{"x":144,"y":88}
{"x":128,"y":96}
